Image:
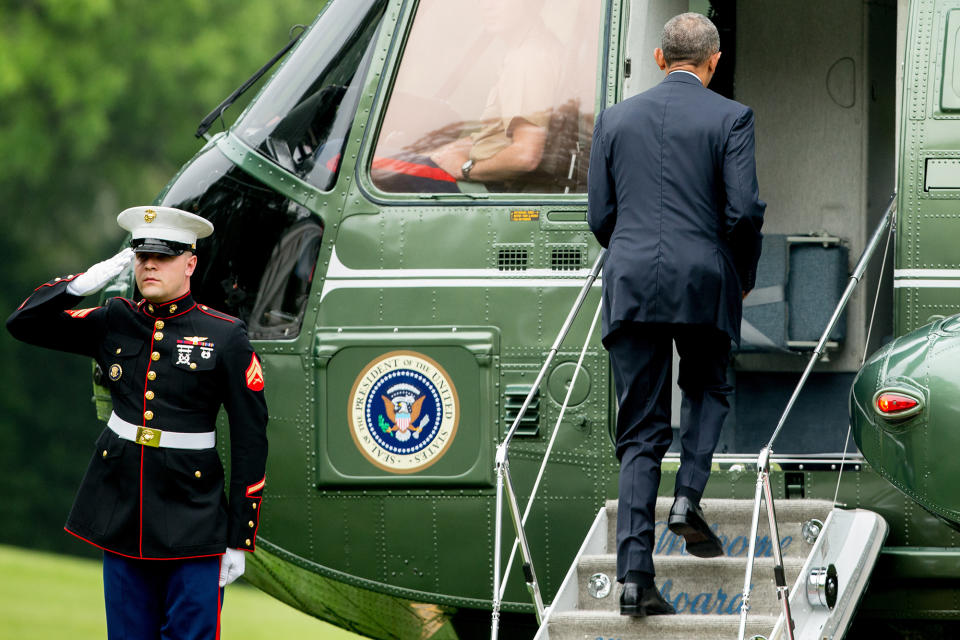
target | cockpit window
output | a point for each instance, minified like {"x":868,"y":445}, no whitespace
{"x":302,"y":118}
{"x":492,"y":95}
{"x":282,"y":295}
{"x":258,"y":265}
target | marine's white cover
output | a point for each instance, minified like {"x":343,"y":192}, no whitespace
{"x":164,"y":223}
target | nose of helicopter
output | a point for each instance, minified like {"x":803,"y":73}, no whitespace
{"x":905,"y":415}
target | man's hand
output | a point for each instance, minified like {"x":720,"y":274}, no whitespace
{"x":97,"y":276}
{"x":232,"y":565}
{"x":450,"y":157}
{"x":745,"y":294}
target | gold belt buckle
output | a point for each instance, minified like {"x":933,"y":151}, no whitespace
{"x":148,"y":437}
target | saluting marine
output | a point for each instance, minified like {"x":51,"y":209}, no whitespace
{"x":154,"y":489}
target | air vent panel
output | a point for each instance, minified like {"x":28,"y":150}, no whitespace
{"x":566,"y":258}
{"x":513,"y":399}
{"x":512,"y":259}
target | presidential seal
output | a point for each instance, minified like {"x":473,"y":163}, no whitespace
{"x":403,"y":411}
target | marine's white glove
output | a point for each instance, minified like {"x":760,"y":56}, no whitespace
{"x":97,"y":276}
{"x":232,"y":565}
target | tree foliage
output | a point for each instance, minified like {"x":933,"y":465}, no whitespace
{"x":99,"y":102}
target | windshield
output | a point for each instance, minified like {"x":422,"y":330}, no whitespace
{"x":302,"y":118}
{"x":259,"y":263}
{"x":492,"y":95}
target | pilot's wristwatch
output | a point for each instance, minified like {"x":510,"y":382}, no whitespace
{"x":465,"y":169}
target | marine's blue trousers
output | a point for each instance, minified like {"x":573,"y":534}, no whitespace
{"x":162,"y":599}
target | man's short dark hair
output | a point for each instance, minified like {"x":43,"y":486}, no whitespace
{"x":689,"y":38}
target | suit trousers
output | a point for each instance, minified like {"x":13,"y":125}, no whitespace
{"x":641,"y":356}
{"x":162,"y":599}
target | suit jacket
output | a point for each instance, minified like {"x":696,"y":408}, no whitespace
{"x":169,"y":366}
{"x":673,"y":197}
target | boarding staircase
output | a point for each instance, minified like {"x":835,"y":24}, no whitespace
{"x":707,"y":593}
{"x":825,"y":551}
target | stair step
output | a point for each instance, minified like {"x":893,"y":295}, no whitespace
{"x":594,"y":625}
{"x":706,"y":592}
{"x":694,"y":586}
{"x":731,"y":520}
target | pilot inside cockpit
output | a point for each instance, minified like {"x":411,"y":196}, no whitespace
{"x":495,"y":139}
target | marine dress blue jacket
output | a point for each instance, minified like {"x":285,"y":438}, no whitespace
{"x":169,"y":368}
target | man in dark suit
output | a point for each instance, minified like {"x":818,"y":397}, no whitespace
{"x":673,"y":197}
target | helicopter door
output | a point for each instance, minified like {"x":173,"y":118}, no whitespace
{"x":824,"y":151}
{"x":446,"y":287}
{"x":646,"y":21}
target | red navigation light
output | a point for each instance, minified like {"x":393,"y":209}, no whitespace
{"x":891,"y":403}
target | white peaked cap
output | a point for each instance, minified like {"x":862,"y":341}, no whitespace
{"x":164,"y":223}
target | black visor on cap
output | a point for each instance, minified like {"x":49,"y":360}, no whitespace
{"x":155,"y":245}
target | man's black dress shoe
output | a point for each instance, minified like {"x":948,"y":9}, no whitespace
{"x":686,"y":519}
{"x":647,"y":601}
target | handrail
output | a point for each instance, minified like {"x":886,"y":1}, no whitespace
{"x":594,"y":272}
{"x":503,"y":468}
{"x":553,"y":438}
{"x":763,"y":460}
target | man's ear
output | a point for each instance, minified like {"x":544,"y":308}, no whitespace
{"x":191,"y":265}
{"x":712,"y":62}
{"x":659,"y":59}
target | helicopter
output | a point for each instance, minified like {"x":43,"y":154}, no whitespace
{"x":402,"y":302}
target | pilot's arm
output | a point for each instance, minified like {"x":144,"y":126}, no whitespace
{"x":520,"y":104}
{"x":521,"y":156}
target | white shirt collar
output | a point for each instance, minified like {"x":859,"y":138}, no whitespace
{"x":687,"y":72}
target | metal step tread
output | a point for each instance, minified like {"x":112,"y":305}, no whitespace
{"x":731,"y":520}
{"x":741,"y":509}
{"x":665,"y":563}
{"x":695,"y":586}
{"x":678,"y":621}
{"x":589,"y":625}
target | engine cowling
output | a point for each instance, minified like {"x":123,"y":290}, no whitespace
{"x":905,"y":414}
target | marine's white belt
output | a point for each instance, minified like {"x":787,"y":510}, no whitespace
{"x":150,"y":437}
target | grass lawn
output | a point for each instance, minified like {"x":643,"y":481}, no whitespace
{"x":45,"y":596}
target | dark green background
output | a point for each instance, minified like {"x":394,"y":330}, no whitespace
{"x":99,"y":102}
